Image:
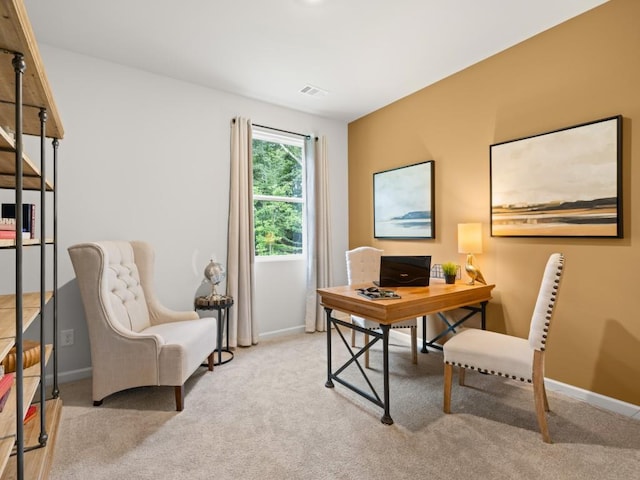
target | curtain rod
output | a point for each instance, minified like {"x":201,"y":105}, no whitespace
{"x":280,"y":130}
{"x":283,"y":131}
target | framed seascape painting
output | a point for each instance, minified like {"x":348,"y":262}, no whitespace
{"x":403,"y":202}
{"x":565,"y":183}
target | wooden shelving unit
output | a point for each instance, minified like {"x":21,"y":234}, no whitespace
{"x":31,"y":178}
{"x":16,"y":35}
{"x":26,"y":108}
{"x":38,"y":462}
{"x":4,"y":243}
{"x":30,"y":311}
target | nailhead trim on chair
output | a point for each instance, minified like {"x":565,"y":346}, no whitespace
{"x":552,"y":304}
{"x":483,"y":370}
{"x":392,"y":328}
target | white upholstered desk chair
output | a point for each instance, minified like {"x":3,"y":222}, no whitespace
{"x":363,"y":266}
{"x":512,"y":357}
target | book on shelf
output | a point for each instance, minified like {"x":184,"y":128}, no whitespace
{"x":6,"y":382}
{"x":11,"y":235}
{"x":28,"y":216}
{"x":31,"y":412}
{"x":7,"y":223}
{"x":4,"y":398}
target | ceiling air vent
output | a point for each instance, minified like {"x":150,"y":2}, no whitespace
{"x":313,"y":91}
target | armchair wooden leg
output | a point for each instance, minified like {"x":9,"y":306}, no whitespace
{"x":461,"y":374}
{"x":414,"y":345}
{"x":179,"y":390}
{"x":210,"y":362}
{"x":366,"y":353}
{"x":539,"y":394}
{"x":448,"y":376}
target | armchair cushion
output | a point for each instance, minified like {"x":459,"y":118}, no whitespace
{"x":184,"y":343}
{"x":491,"y":352}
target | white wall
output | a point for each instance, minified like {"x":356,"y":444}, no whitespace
{"x":147,"y":157}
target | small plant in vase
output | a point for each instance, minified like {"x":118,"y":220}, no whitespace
{"x":450,"y":271}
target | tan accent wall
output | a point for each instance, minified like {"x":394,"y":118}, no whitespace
{"x":585,"y":69}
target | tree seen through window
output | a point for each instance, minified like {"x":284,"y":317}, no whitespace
{"x":278,"y":196}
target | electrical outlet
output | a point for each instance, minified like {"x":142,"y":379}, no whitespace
{"x":66,"y":337}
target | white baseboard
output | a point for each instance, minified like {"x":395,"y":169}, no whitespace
{"x":279,"y":333}
{"x":299,"y":328}
{"x":595,"y":399}
{"x":70,"y":376}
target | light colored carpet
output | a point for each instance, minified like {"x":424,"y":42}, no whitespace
{"x":268,"y":415}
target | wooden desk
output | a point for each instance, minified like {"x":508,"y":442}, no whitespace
{"x":415,"y":302}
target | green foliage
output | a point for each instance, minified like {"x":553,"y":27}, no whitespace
{"x":278,"y":228}
{"x":449,"y":268}
{"x":277,"y":169}
{"x":277,"y":172}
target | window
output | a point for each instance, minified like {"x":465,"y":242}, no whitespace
{"x":278,"y":194}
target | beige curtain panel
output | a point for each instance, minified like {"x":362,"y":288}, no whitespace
{"x":243,"y":330}
{"x":318,"y":233}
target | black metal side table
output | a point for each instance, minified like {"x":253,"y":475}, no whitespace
{"x":221,"y":304}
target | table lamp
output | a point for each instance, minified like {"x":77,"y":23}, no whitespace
{"x":470,"y":242}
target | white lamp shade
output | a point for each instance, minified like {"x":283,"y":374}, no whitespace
{"x":469,"y":238}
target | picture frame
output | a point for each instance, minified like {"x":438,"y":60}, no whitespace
{"x":403,"y":202}
{"x":563,"y":183}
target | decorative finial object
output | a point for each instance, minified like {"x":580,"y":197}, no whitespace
{"x":214,"y":273}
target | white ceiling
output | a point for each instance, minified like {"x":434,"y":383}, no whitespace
{"x":365,"y":53}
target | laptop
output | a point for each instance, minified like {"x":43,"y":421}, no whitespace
{"x":404,"y":271}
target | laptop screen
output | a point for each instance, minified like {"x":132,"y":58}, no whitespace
{"x":404,"y":271}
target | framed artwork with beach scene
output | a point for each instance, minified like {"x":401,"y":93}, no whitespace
{"x":403,"y":202}
{"x":565,"y":183}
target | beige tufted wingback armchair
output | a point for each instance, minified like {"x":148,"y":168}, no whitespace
{"x":135,"y":341}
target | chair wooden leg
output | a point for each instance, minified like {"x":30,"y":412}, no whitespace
{"x":461,"y":372}
{"x":366,"y":353}
{"x":539,"y":394}
{"x":210,"y":362}
{"x":353,"y":337}
{"x":414,"y":345}
{"x":179,"y":390}
{"x":448,"y":376}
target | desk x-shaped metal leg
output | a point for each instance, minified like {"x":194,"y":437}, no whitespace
{"x":375,"y":335}
{"x":451,"y":327}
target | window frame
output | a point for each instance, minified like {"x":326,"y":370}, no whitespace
{"x":268,"y":135}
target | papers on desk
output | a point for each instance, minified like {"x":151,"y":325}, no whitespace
{"x":375,"y":293}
